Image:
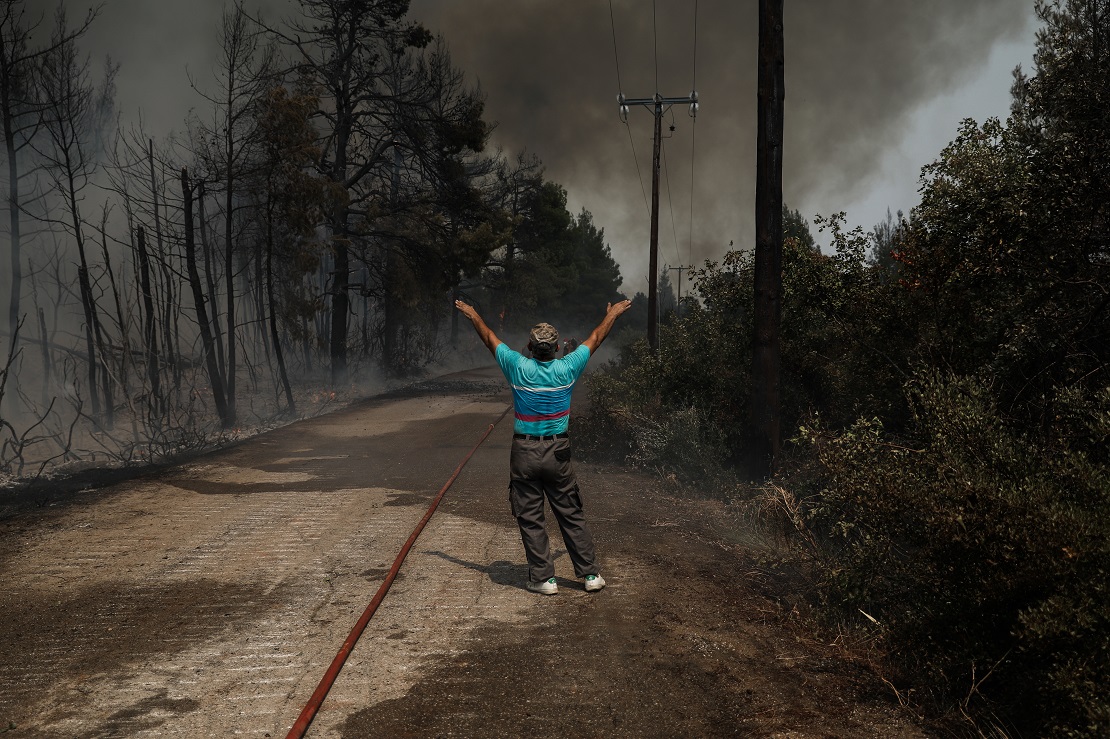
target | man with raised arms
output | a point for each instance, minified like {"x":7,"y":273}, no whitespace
{"x":540,"y":462}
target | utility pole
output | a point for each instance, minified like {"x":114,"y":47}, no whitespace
{"x":659,"y":105}
{"x":765,"y":422}
{"x":680,"y":269}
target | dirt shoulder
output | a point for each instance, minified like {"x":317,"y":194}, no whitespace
{"x":684,"y":641}
{"x":208,"y":599}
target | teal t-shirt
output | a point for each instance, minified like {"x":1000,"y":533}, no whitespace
{"x":541,"y":390}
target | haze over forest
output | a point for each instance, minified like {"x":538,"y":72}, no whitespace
{"x":857,"y":73}
{"x":487,"y":161}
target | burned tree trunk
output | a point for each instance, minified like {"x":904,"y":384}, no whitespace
{"x":206,"y":251}
{"x":121,"y":318}
{"x":229,"y":285}
{"x":260,"y":299}
{"x":340,"y":301}
{"x":274,"y":337}
{"x":104,"y":347}
{"x":13,"y":222}
{"x":214,"y":378}
{"x":150,"y":329}
{"x":765,"y":423}
{"x":88,"y":305}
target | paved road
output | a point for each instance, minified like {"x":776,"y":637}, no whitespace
{"x":208,"y":599}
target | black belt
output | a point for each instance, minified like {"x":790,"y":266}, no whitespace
{"x":530,"y":437}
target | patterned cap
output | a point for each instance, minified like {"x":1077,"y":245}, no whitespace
{"x":544,"y":333}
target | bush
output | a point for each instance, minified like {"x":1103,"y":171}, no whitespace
{"x":629,"y":422}
{"x":982,"y":550}
{"x":842,"y":336}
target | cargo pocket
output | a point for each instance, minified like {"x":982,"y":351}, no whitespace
{"x":575,"y":497}
{"x":512,"y":500}
{"x":563,"y":454}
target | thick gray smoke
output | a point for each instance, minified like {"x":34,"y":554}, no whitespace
{"x":856,"y":71}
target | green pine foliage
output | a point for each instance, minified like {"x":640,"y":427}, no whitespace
{"x":557,"y":268}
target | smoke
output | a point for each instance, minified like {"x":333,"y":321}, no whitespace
{"x":856,"y":71}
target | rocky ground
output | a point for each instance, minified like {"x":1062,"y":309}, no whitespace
{"x":208,"y":599}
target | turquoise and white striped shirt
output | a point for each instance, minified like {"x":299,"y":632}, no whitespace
{"x":541,"y":390}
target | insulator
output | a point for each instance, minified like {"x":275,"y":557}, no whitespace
{"x":694,"y":96}
{"x":693,"y":110}
{"x":624,"y":113}
{"x":620,"y":98}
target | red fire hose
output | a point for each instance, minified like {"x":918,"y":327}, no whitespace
{"x":301,"y":725}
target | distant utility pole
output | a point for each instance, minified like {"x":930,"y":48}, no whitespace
{"x":680,"y":269}
{"x":658,"y":105}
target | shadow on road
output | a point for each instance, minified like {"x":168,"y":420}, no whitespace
{"x":510,"y":574}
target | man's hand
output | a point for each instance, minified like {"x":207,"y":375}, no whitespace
{"x":615,"y":309}
{"x":466,"y":310}
{"x":612,"y":312}
{"x":484,"y":333}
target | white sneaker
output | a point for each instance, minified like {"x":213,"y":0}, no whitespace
{"x":546,"y":587}
{"x":594,"y":583}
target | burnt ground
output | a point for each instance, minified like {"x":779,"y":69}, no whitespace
{"x":208,"y":598}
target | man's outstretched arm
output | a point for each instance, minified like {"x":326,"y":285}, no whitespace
{"x":485,"y":333}
{"x":612,"y":312}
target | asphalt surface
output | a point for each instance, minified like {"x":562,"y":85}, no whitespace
{"x":209,"y":598}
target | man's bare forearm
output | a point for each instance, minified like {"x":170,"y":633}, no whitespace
{"x":485,"y":333}
{"x":612,"y":312}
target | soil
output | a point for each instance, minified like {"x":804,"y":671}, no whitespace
{"x":208,"y":599}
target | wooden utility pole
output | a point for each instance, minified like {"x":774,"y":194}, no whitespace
{"x":680,"y":269}
{"x":659,"y":105}
{"x":765,"y":431}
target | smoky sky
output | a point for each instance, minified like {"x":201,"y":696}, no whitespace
{"x":856,"y":71}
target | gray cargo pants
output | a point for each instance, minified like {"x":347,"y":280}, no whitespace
{"x":544,"y":468}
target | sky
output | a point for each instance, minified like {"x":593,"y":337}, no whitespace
{"x":874,"y":90}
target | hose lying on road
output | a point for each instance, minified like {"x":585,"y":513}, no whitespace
{"x":301,"y":725}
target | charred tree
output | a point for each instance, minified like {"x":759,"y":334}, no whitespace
{"x":122,"y":322}
{"x":199,"y":300}
{"x":391,"y":315}
{"x":168,"y":293}
{"x":294,"y":201}
{"x":346,"y":49}
{"x":150,"y":328}
{"x":764,"y":436}
{"x":279,"y":355}
{"x":209,"y":270}
{"x":21,"y":116}
{"x":244,"y":70}
{"x":74,"y":113}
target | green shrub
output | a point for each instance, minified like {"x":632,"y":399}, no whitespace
{"x":982,"y":550}
{"x":629,"y":422}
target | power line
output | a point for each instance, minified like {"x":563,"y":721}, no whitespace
{"x":695,"y":83}
{"x":693,"y":140}
{"x":655,"y":43}
{"x":659,"y":105}
{"x":670,"y":202}
{"x":690,"y":236}
{"x":627,"y":128}
{"x":681,"y":269}
{"x":616,"y":59}
{"x":636,"y":161}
